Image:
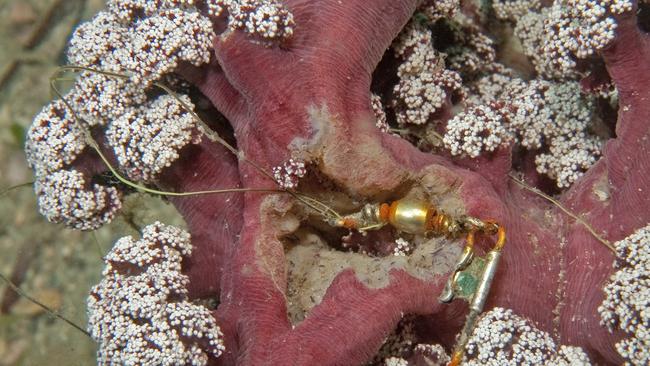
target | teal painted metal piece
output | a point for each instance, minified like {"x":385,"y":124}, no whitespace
{"x":467,"y":280}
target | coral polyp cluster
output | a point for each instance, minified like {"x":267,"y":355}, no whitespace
{"x":579,"y":29}
{"x":144,"y":132}
{"x":627,"y":297}
{"x":140,"y":314}
{"x":503,"y":338}
{"x":425,"y":85}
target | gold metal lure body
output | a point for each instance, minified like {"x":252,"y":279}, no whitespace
{"x":406,"y":215}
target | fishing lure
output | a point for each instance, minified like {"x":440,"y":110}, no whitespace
{"x":472,"y":276}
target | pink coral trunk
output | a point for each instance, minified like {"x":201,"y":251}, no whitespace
{"x":313,"y":95}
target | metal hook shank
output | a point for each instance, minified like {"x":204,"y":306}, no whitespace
{"x":480,"y":296}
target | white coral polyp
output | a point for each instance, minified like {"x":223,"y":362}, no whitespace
{"x":98,"y":99}
{"x":158,"y":43}
{"x":559,"y":115}
{"x":425,"y":85}
{"x":92,"y":41}
{"x":378,"y":109}
{"x":264,"y":19}
{"x":538,"y":114}
{"x":53,"y":140}
{"x":514,"y":9}
{"x":627,"y":297}
{"x":579,"y":28}
{"x":142,"y":41}
{"x":568,"y":158}
{"x":140,"y":313}
{"x":66,"y":197}
{"x":438,"y":9}
{"x":147,"y":140}
{"x":501,"y":338}
{"x":288,"y":175}
{"x":478,"y":129}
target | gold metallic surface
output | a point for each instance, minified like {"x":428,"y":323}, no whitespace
{"x":501,"y":238}
{"x":440,"y":224}
{"x":409,"y":216}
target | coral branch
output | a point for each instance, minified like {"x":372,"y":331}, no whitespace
{"x":621,"y":174}
{"x":313,"y":135}
{"x":214,"y":220}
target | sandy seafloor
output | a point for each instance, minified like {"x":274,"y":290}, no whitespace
{"x":59,"y":265}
